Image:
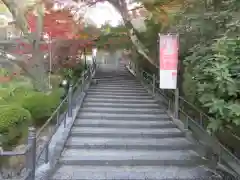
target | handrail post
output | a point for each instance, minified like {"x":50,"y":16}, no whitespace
{"x":176,"y":107}
{"x":186,"y":123}
{"x":31,"y":153}
{"x":137,"y":71}
{"x":83,"y":76}
{"x":153,"y":84}
{"x":89,"y":73}
{"x":70,"y":100}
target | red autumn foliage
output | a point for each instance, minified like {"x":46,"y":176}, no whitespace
{"x":56,"y":23}
{"x":59,"y":25}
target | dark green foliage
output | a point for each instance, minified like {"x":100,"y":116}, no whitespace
{"x":23,"y":107}
{"x":41,"y":105}
{"x":14,"y":121}
{"x":77,"y":71}
{"x":209,"y":51}
{"x":217,"y":76}
{"x":212,"y":64}
{"x":114,"y":38}
{"x":73,"y":73}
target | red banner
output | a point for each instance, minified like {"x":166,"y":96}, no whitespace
{"x":168,"y":57}
{"x":168,"y":52}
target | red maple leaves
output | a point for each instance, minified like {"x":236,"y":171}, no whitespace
{"x":62,"y":35}
{"x":56,"y":23}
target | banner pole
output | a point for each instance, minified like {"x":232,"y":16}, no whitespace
{"x":177,"y":88}
{"x":176,"y":108}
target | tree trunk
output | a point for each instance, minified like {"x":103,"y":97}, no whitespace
{"x":121,"y":7}
{"x":36,"y":68}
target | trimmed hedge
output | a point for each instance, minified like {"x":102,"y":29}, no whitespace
{"x":22,"y":106}
{"x":41,"y":105}
{"x":56,"y":80}
{"x":17,"y":95}
{"x":3,"y":102}
{"x":4,"y":92}
{"x":13,"y":123}
{"x":57,"y":96}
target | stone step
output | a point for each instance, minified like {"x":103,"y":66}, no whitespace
{"x":115,"y":78}
{"x":112,"y":96}
{"x":110,"y":74}
{"x":120,"y":74}
{"x":138,"y":101}
{"x":123,"y":110}
{"x":99,"y":90}
{"x":114,"y":116}
{"x":123,"y":76}
{"x":129,"y":143}
{"x":123,"y":123}
{"x":100,"y":85}
{"x":126,"y":132}
{"x":123,"y":105}
{"x":117,"y":88}
{"x":119,"y":82}
{"x":118,"y":93}
{"x":129,"y":131}
{"x":118,"y":157}
{"x":68,"y":172}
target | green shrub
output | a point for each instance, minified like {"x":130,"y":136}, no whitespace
{"x":56,"y":98}
{"x":188,"y":81}
{"x":216,"y":70}
{"x":14,"y":121}
{"x":57,"y":93}
{"x":41,"y":105}
{"x":17,"y":95}
{"x":55,"y":81}
{"x":2,"y":102}
{"x":21,"y":91}
{"x":77,"y":71}
{"x":4,"y":92}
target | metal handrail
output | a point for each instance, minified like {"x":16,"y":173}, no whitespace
{"x":30,"y":152}
{"x":177,"y":104}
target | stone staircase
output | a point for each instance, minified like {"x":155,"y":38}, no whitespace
{"x":122,"y":133}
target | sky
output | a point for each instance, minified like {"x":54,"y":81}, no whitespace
{"x":102,"y":13}
{"x":99,"y":13}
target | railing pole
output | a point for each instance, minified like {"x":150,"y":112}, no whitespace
{"x":135,"y":69}
{"x":58,"y":117}
{"x":65,"y":120}
{"x":201,"y":120}
{"x":70,"y":101}
{"x":31,"y":154}
{"x":81,"y":83}
{"x":169,"y":105}
{"x":176,"y":108}
{"x":46,"y":154}
{"x":186,"y":123}
{"x":154,"y":84}
{"x":89,"y":73}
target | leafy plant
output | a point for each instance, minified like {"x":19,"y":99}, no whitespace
{"x":14,"y":121}
{"x":217,"y":76}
